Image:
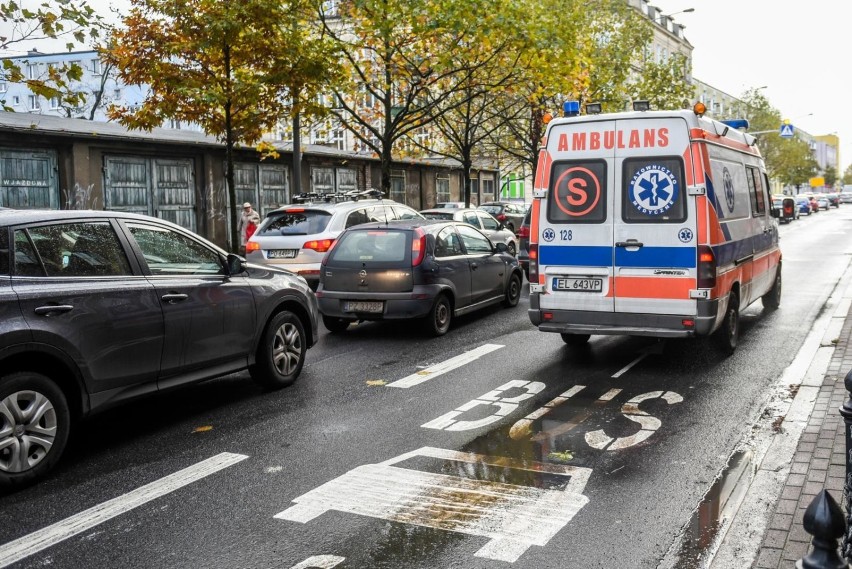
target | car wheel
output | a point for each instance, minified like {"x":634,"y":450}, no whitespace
{"x":281,"y":353}
{"x":335,"y":325}
{"x":772,"y":299}
{"x":513,"y":251}
{"x":34,"y":425}
{"x":439,"y":318}
{"x":575,"y":339}
{"x":728,"y":334}
{"x":513,"y":291}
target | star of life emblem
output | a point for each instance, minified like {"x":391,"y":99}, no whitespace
{"x":653,"y":190}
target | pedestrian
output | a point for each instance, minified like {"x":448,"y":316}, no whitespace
{"x":249,"y":221}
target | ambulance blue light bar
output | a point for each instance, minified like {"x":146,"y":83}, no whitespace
{"x":741,"y":124}
{"x":571,"y":108}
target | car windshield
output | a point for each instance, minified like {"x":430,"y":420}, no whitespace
{"x":307,"y":222}
{"x":373,"y":245}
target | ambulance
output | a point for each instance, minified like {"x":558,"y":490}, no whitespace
{"x":650,"y":223}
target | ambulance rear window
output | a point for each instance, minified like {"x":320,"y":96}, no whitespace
{"x":577,"y":192}
{"x":653,"y":190}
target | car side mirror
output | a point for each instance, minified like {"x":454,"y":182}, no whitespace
{"x":501,"y":247}
{"x":235,"y":264}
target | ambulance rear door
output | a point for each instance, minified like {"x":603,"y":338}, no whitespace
{"x":655,"y":234}
{"x":576,"y":232}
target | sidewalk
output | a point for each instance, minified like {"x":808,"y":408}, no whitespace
{"x":804,"y":453}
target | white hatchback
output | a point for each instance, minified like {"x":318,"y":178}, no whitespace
{"x":296,"y":237}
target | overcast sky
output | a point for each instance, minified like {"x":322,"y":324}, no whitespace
{"x":799,"y":50}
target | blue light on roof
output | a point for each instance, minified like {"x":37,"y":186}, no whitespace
{"x":741,"y":124}
{"x":571,"y":108}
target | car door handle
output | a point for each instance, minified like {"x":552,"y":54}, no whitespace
{"x":629,"y":243}
{"x":474,"y":266}
{"x":173,"y":298}
{"x":53,"y":309}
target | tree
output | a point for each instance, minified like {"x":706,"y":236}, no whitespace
{"x":72,"y":19}
{"x":847,"y":175}
{"x":830,"y":175}
{"x":665,"y":84}
{"x":230,"y":67}
{"x":397,"y":66}
{"x":794,"y":164}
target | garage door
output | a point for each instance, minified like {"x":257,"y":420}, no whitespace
{"x":28,"y":180}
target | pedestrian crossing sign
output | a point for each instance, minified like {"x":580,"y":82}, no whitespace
{"x":786,"y":130}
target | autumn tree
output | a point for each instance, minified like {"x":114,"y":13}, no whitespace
{"x":830,"y":175}
{"x":665,"y":84}
{"x":73,"y":20}
{"x":847,"y":175}
{"x":397,"y":66}
{"x":231,"y":67}
{"x":576,"y":50}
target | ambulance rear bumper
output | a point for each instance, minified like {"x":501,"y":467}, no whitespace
{"x":625,"y":324}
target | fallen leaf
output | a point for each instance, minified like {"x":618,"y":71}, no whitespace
{"x":376,"y":382}
{"x":563,"y":456}
{"x":203,"y":429}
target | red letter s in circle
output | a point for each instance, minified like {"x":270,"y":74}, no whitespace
{"x":577,"y":192}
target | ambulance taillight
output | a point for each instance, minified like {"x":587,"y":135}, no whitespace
{"x":533,"y":276}
{"x":706,"y":267}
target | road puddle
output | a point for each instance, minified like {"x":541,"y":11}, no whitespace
{"x":715,"y":510}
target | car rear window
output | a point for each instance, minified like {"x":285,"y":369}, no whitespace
{"x":374,"y":245}
{"x":492,"y":209}
{"x":438,"y":215}
{"x":306,"y":222}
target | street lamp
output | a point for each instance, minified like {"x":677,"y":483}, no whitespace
{"x":662,"y":17}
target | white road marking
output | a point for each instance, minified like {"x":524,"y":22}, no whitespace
{"x":649,"y":424}
{"x":626,"y":368}
{"x":31,"y":544}
{"x":431,"y":372}
{"x":505,"y":405}
{"x":320,"y":562}
{"x":513,"y":517}
{"x":522,"y":429}
{"x":562,"y":428}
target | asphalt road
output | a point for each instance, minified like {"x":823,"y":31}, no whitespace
{"x":607,"y":474}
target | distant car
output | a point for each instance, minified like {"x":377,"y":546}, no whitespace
{"x":786,"y":206}
{"x":431,"y":270}
{"x":449,"y":205}
{"x":812,"y":201}
{"x":822,"y":200}
{"x":803,"y":203}
{"x":845,"y":197}
{"x":101,"y":307}
{"x":296,"y":237}
{"x":482,"y":220}
{"x":833,"y":199}
{"x":524,"y":243}
{"x":509,"y":214}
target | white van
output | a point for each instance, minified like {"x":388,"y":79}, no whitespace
{"x":653,"y":223}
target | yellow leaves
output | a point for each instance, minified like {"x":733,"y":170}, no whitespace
{"x":376,"y":382}
{"x":202,"y":429}
{"x":563,"y":456}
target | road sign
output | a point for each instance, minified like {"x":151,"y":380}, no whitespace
{"x":786,"y":130}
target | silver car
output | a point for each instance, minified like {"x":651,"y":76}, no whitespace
{"x":480,"y":219}
{"x":296,"y":237}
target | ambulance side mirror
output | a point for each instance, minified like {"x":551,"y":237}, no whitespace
{"x":775,"y":212}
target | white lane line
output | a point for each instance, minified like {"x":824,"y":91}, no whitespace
{"x":51,"y":535}
{"x":626,"y":368}
{"x":425,"y":375}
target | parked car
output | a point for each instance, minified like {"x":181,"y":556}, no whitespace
{"x":432,"y":270}
{"x":524,"y":243}
{"x":815,"y":207}
{"x":803,"y":203}
{"x":508,"y":213}
{"x":822,"y":201}
{"x":296,"y":237}
{"x":103,"y":307}
{"x":786,"y":206}
{"x":833,"y":199}
{"x":845,"y":196}
{"x":482,"y":220}
{"x":448,"y":205}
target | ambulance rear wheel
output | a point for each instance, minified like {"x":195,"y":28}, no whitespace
{"x":728,"y":334}
{"x":772,"y":299}
{"x":575,"y":339}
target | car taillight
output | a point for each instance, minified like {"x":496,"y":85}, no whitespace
{"x":524,"y":232}
{"x":319,"y":245}
{"x":418,"y":247}
{"x":328,"y":253}
{"x":706,"y":267}
{"x":533,"y":263}
{"x":501,"y":217}
{"x":252,"y":246}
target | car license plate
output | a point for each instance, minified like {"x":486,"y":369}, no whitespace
{"x":363,"y":306}
{"x":584,"y":284}
{"x":282,"y":253}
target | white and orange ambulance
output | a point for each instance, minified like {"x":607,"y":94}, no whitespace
{"x":650,"y":223}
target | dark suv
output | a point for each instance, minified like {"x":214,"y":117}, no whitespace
{"x":100,"y":307}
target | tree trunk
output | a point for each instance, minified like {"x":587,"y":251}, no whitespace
{"x":229,"y":162}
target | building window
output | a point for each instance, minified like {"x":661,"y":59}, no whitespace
{"x":33,"y":103}
{"x":54,"y":103}
{"x":32,"y":71}
{"x":397,"y":186}
{"x":2,"y":87}
{"x":16,"y":100}
{"x":338,"y":139}
{"x":96,"y":67}
{"x":116,"y":94}
{"x":488,"y":189}
{"x":442,"y":187}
